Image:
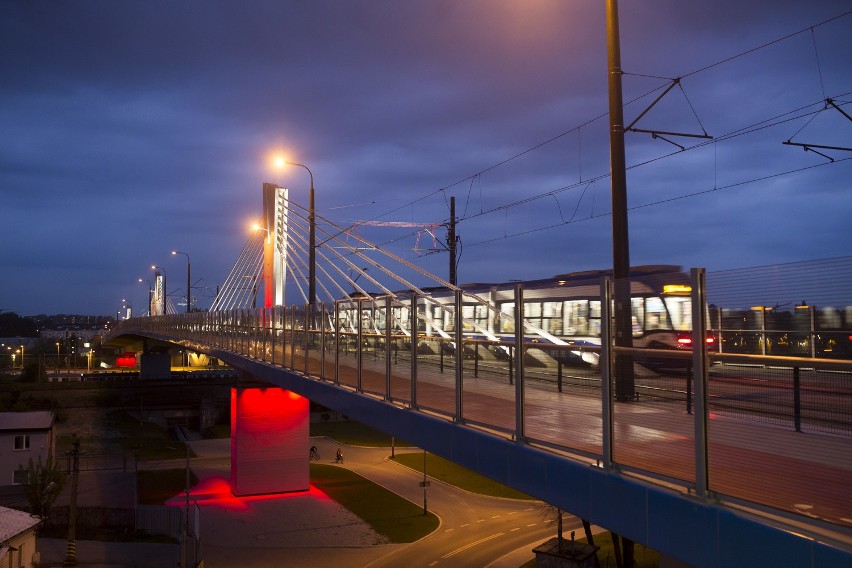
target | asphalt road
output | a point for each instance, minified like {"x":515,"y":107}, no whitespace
{"x":309,"y":531}
{"x":475,"y":530}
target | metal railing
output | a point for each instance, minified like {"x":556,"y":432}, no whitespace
{"x":745,"y":428}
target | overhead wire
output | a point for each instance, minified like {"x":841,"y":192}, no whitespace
{"x":577,"y":128}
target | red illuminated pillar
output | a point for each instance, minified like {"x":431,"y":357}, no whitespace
{"x":269,"y":441}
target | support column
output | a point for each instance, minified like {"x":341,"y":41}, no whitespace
{"x":269,"y":441}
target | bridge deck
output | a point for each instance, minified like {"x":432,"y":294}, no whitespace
{"x":803,"y":473}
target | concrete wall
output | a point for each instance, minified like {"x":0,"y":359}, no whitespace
{"x":269,"y":441}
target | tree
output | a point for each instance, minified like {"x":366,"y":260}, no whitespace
{"x":44,"y":483}
{"x":13,"y":325}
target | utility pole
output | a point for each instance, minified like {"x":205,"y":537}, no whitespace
{"x":451,"y":241}
{"x":624,"y":380}
{"x":71,"y":549}
{"x":424,"y":484}
{"x":186,"y":514}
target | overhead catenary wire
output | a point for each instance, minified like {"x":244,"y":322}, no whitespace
{"x":471,"y":178}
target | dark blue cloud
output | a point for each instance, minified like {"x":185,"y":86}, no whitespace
{"x":130,"y":129}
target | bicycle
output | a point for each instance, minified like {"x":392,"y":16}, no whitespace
{"x":314,"y":454}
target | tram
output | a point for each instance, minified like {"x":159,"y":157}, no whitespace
{"x":564,"y":310}
{"x":567,"y":309}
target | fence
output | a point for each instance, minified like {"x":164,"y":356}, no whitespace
{"x":627,"y":374}
{"x":150,"y":519}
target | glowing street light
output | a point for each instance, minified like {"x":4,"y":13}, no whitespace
{"x":176,"y":252}
{"x":150,"y":292}
{"x":312,"y":276}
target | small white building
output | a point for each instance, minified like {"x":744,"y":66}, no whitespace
{"x":18,"y":538}
{"x":24,"y":435}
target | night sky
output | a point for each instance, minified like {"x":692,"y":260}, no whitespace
{"x":130,"y":129}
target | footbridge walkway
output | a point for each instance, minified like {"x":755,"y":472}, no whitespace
{"x":696,"y":468}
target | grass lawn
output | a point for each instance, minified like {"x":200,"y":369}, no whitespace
{"x":448,"y":472}
{"x":156,"y":486}
{"x":389,"y":514}
{"x":354,"y":434}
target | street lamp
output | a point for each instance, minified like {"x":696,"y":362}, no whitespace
{"x":176,"y":252}
{"x":150,"y":292}
{"x":312,"y":276}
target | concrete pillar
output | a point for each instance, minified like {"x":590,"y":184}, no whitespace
{"x":270,"y":441}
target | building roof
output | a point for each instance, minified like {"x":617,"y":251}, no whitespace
{"x":14,"y":522}
{"x":36,"y":420}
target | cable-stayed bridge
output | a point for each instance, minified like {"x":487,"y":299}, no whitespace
{"x":722,"y":437}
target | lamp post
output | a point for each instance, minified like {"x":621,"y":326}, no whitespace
{"x":312,"y":276}
{"x":57,"y":357}
{"x":176,"y":252}
{"x":150,"y":292}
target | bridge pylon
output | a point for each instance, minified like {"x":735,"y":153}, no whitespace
{"x":270,"y":435}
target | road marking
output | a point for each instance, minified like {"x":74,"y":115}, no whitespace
{"x":515,"y":529}
{"x":496,"y":517}
{"x":532,"y":524}
{"x":435,"y":562}
{"x":513,"y":513}
{"x":471,"y":545}
{"x":465,"y":525}
{"x":448,"y":530}
{"x":481,"y":521}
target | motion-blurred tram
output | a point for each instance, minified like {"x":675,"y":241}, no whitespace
{"x":563,"y":310}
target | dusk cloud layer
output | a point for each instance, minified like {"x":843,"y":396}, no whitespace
{"x":130,"y":129}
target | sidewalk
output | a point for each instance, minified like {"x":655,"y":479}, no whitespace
{"x":304,"y":529}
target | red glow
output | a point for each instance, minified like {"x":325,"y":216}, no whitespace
{"x":126,"y":359}
{"x":269,"y":441}
{"x":684,"y":340}
{"x":216,"y":491}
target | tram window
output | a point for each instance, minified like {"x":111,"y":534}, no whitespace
{"x":828,"y":318}
{"x":576,"y":317}
{"x":532,"y":313}
{"x":532,"y":310}
{"x":481,"y":314}
{"x":551,"y":320}
{"x":595,"y":318}
{"x":655,"y":314}
{"x":680,"y":310}
{"x":507,"y":325}
{"x":638,"y":315}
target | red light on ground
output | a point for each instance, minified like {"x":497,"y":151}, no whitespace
{"x":216,"y":491}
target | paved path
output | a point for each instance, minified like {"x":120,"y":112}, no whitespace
{"x":311,"y":530}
